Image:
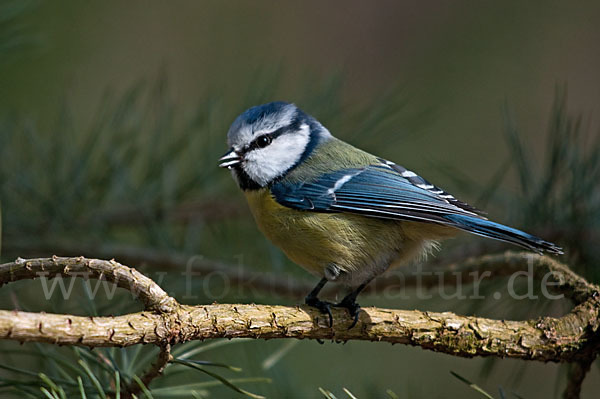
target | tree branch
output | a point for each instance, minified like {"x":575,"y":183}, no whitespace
{"x":546,"y":339}
{"x":574,"y":337}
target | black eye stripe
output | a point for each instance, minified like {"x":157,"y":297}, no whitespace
{"x":256,"y":143}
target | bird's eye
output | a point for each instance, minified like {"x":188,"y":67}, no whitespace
{"x":263,"y":141}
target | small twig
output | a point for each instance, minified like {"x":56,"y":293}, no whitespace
{"x":576,"y":375}
{"x":150,"y":293}
{"x":157,"y":368}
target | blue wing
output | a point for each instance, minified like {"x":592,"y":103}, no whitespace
{"x":384,"y":190}
{"x":387,"y":190}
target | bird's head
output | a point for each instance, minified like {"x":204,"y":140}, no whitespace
{"x":269,"y":140}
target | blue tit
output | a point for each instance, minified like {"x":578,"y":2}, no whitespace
{"x":341,"y":213}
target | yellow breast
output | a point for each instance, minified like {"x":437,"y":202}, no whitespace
{"x":315,"y":240}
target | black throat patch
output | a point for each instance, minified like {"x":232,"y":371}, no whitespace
{"x":243,"y":180}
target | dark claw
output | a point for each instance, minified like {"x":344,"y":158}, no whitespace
{"x":353,"y":309}
{"x":324,"y":307}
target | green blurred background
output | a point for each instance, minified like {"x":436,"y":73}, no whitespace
{"x":113,"y":115}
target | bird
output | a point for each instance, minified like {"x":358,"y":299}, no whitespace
{"x":343,"y":214}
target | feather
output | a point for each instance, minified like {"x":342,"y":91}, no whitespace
{"x":370,"y":191}
{"x":388,"y":191}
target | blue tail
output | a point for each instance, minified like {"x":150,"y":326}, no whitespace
{"x":498,"y":231}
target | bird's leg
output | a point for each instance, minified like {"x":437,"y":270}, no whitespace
{"x":312,"y":300}
{"x":349,"y":302}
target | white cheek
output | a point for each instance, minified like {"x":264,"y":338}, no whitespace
{"x":268,"y":163}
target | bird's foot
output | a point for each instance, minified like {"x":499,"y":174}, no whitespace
{"x":349,"y":303}
{"x":323,"y":306}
